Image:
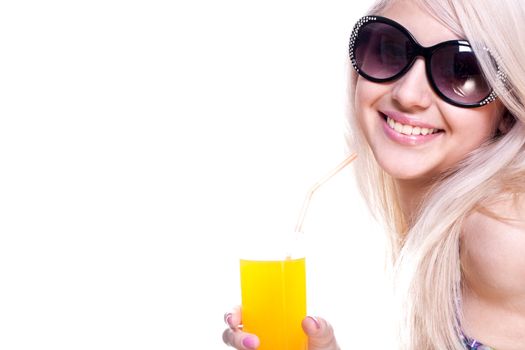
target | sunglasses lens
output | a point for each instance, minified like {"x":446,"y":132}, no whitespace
{"x":457,"y":75}
{"x":381,"y":51}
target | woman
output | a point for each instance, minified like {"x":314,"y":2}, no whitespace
{"x":437,"y":115}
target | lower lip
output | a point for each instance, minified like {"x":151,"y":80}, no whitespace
{"x":410,"y":140}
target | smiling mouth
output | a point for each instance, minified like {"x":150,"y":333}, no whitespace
{"x":410,"y":129}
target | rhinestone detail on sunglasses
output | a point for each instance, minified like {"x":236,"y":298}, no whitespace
{"x":488,"y":99}
{"x":357,"y":26}
{"x":502,"y":78}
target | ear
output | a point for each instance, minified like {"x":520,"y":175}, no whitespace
{"x":506,"y":123}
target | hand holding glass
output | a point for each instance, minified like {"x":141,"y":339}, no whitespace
{"x":273,"y":288}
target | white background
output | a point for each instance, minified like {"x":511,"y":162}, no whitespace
{"x":141,"y":140}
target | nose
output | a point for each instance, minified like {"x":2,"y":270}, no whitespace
{"x":413,"y":90}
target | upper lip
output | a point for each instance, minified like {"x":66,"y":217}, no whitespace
{"x":403,"y":119}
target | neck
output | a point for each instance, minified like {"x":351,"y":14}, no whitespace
{"x":411,"y":193}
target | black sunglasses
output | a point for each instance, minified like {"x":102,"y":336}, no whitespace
{"x":382,"y":50}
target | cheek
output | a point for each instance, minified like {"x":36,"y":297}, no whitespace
{"x":358,"y":95}
{"x":361,"y":105}
{"x":366,"y":94}
{"x":476,"y":125}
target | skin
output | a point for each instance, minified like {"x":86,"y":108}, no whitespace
{"x":492,"y":259}
{"x":463,"y":129}
{"x":320,"y":333}
{"x":493,"y":302}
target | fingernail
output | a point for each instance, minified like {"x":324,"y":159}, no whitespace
{"x":228,"y":319}
{"x":249,"y":342}
{"x":316,"y":321}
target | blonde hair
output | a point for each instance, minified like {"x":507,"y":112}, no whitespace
{"x":425,"y":252}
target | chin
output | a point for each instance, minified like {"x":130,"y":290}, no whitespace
{"x":407,"y":170}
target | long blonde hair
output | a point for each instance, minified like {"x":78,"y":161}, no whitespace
{"x":425,"y":252}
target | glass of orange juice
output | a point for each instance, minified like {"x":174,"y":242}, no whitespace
{"x":273,"y":290}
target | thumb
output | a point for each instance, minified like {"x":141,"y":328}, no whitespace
{"x":320,"y":334}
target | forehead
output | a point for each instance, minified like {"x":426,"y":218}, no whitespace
{"x":426,"y":28}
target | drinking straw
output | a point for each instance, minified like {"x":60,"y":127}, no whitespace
{"x":310,"y":193}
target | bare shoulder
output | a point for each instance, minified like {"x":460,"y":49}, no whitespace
{"x":493,"y":275}
{"x":493,"y":248}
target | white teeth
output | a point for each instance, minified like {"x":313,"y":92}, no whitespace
{"x":398,"y":127}
{"x":390,"y":122}
{"x":409,"y":129}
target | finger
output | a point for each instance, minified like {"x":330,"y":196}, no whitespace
{"x":320,"y":334}
{"x":240,"y":340}
{"x":233,"y":318}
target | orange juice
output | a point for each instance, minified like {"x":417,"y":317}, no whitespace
{"x":274,"y":302}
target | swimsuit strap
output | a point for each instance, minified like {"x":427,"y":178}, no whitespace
{"x":472,"y":344}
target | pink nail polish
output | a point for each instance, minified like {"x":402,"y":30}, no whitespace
{"x":316,"y":321}
{"x":250,"y":342}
